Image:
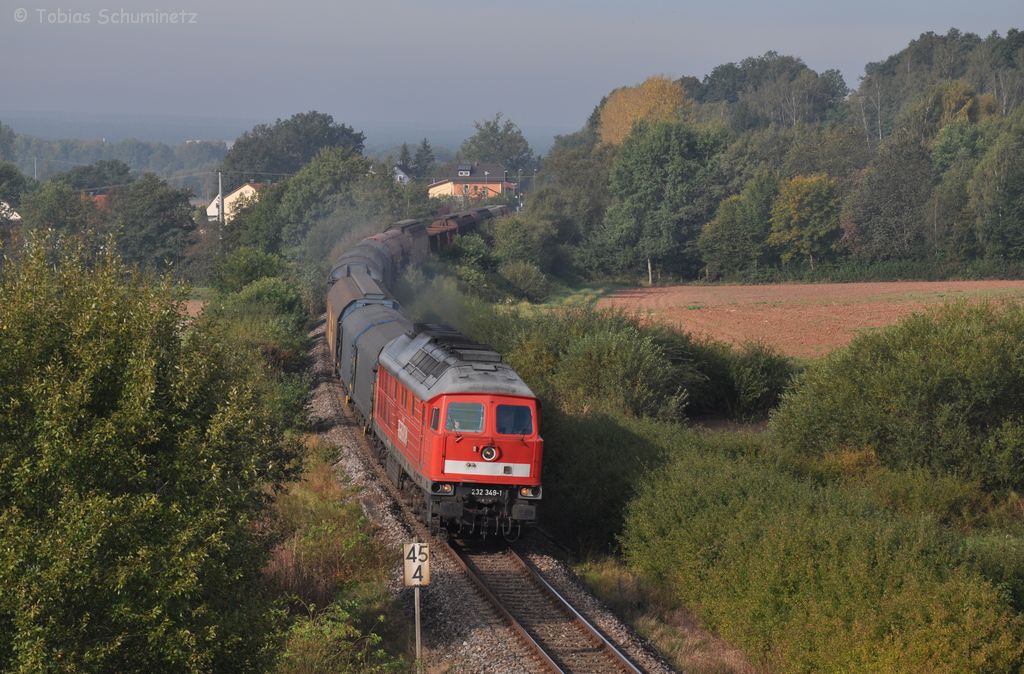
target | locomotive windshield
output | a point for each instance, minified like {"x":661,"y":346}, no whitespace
{"x":514,"y":420}
{"x":465,"y":417}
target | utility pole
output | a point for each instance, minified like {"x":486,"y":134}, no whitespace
{"x":220,"y":197}
{"x":35,"y":168}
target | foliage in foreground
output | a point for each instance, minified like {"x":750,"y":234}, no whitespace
{"x":137,"y":455}
{"x":333,"y":571}
{"x":942,"y":390}
{"x":813,"y":578}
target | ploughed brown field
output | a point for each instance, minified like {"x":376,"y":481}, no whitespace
{"x":804,"y":320}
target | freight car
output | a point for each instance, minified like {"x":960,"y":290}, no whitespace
{"x":455,"y":427}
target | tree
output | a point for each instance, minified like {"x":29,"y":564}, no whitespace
{"x":405,"y":157}
{"x":13,"y":184}
{"x":102,"y":176}
{"x":244,"y":265}
{"x":258,"y":223}
{"x":736,"y":239}
{"x":284,"y":147}
{"x":57,"y":206}
{"x":663,"y":190}
{"x":996,"y":67}
{"x":519,"y":239}
{"x":657,"y":99}
{"x":322,"y":185}
{"x":951,"y":229}
{"x":152,"y":221}
{"x":498,"y":141}
{"x":805,"y":218}
{"x":575,"y":193}
{"x":889,"y":85}
{"x":997,"y":195}
{"x":6,"y":143}
{"x":772,"y":89}
{"x":885,"y":216}
{"x":139,"y":452}
{"x":838,"y":150}
{"x":949,"y":102}
{"x":423,"y":162}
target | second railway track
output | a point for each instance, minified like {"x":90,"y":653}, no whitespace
{"x":560,"y":638}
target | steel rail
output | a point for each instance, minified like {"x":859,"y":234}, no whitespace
{"x":539,"y":577}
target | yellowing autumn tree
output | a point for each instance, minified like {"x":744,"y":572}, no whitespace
{"x":658,"y":98}
{"x":805,"y":218}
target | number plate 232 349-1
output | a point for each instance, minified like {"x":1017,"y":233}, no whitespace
{"x":485,"y":492}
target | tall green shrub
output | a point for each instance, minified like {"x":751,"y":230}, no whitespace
{"x":943,"y":390}
{"x":136,"y":459}
{"x":809,"y":579}
{"x":244,"y":265}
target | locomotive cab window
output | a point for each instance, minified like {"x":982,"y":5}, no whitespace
{"x":435,"y":418}
{"x":465,"y":417}
{"x":514,"y":420}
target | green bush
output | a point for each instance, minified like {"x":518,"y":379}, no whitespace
{"x":330,"y":642}
{"x":526,"y":278}
{"x":136,"y":458}
{"x":620,"y":371}
{"x":593,"y":465}
{"x":942,"y":390}
{"x":710,"y":377}
{"x":759,"y":375}
{"x":517,"y":239}
{"x":244,"y":265}
{"x":269,"y":297}
{"x":268,"y":314}
{"x":806,"y":578}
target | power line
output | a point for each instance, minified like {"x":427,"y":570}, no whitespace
{"x":178,"y":177}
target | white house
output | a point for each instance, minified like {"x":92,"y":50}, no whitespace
{"x":233,"y":201}
{"x":401,"y":174}
{"x":8,"y":213}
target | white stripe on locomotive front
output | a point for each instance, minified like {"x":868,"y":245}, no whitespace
{"x":486,"y":468}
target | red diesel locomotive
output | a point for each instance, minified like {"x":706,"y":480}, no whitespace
{"x":460,"y":425}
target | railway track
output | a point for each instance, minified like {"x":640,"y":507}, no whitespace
{"x":560,"y":638}
{"x":565,"y":640}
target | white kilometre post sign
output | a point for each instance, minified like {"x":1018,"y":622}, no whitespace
{"x":417,"y":573}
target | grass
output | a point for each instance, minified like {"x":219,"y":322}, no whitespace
{"x":587,"y":294}
{"x":334,"y":574}
{"x":673,"y":631}
{"x":202,"y":293}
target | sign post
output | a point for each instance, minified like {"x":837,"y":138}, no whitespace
{"x":416,"y":557}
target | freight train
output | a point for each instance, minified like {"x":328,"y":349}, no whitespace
{"x":454,"y":426}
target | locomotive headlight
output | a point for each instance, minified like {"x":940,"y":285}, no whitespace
{"x":443,"y":488}
{"x":489,"y":453}
{"x":529,"y":492}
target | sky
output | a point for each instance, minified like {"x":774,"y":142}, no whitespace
{"x":404,"y":69}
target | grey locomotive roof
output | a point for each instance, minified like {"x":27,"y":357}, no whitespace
{"x":432,"y":360}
